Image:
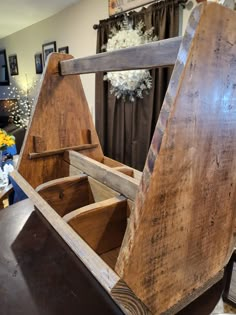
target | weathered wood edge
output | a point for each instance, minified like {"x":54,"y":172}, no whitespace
{"x":118,"y":181}
{"x":157,"y":138}
{"x":156,"y":54}
{"x":36,"y":100}
{"x":194,"y":295}
{"x":66,"y":90}
{"x":98,"y":268}
{"x":93,"y":207}
{"x":37,"y":155}
{"x":128,"y":300}
{"x":109,"y":280}
{"x":68,"y":179}
{"x":154,"y":154}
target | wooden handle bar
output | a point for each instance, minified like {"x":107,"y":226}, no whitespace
{"x":156,"y":54}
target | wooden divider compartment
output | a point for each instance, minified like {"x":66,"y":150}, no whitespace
{"x":67,"y":194}
{"x":102,"y":225}
{"x":94,"y":211}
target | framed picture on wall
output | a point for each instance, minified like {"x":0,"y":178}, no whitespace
{"x":48,"y":49}
{"x":38,"y":63}
{"x":117,"y":6}
{"x":13,"y":64}
{"x":64,"y":50}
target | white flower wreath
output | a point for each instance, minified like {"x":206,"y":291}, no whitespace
{"x":132,"y":83}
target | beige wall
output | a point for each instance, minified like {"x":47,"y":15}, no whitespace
{"x":71,"y":27}
{"x":186,"y":15}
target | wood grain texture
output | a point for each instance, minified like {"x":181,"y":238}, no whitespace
{"x":79,"y":148}
{"x":116,"y":180}
{"x":110,"y":162}
{"x":107,"y":277}
{"x":125,"y":297}
{"x":185,"y":305}
{"x":61,"y":118}
{"x":102,"y":225}
{"x":186,"y":208}
{"x":156,"y":54}
{"x":166,"y":108}
{"x":206,"y":303}
{"x":110,"y":257}
{"x":100,"y":191}
{"x":86,"y":135}
{"x":39,"y":144}
{"x":113,"y":163}
{"x":98,"y":268}
{"x":67,"y":194}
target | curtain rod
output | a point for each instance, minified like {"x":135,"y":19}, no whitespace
{"x":183,"y":2}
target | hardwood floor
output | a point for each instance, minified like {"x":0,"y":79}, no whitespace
{"x":223,"y":308}
{"x":229,"y":309}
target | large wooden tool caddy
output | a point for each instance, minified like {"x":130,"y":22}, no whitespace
{"x":155,"y":240}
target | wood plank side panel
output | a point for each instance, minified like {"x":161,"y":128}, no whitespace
{"x":93,"y":262}
{"x":188,"y":212}
{"x":60,"y":118}
{"x":98,"y":268}
{"x":157,"y":138}
{"x":156,"y":54}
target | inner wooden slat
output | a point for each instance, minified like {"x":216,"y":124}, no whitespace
{"x":102,"y":224}
{"x":122,"y":183}
{"x":62,"y":150}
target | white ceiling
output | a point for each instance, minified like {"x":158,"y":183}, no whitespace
{"x":18,"y":14}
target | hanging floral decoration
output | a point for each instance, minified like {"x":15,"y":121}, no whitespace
{"x":129,"y":84}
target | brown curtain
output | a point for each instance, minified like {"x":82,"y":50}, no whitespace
{"x":125,"y":128}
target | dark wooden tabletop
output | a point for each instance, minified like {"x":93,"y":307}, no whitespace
{"x":39,"y":275}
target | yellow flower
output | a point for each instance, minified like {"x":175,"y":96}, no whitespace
{"x":6,"y":140}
